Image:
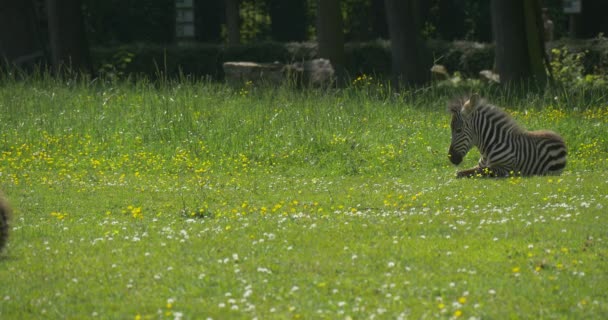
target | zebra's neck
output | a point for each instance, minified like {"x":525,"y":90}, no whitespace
{"x":493,"y":127}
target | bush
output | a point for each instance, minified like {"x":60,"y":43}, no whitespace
{"x":156,"y":60}
{"x":205,"y":60}
{"x":595,"y":52}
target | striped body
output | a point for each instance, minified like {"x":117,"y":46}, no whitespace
{"x":505,"y":147}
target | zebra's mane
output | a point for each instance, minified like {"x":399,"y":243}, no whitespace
{"x":491,"y":110}
{"x":483,"y":106}
{"x":455,"y":105}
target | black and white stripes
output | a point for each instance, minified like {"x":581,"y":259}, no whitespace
{"x":505,"y":147}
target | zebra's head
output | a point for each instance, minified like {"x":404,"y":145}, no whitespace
{"x":462,"y":138}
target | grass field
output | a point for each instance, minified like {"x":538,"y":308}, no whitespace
{"x":197,"y":201}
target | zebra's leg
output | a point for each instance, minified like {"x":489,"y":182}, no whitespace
{"x":479,"y":171}
{"x":473,"y":172}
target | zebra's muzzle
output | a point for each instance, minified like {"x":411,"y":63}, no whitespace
{"x":454,"y":157}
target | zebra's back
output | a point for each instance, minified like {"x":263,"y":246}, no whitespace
{"x":548,"y":156}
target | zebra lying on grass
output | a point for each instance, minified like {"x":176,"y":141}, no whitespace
{"x":506,"y":148}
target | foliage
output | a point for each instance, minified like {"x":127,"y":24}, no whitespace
{"x":568,"y":69}
{"x":115,"y":68}
{"x":255,"y":24}
{"x":196,"y":200}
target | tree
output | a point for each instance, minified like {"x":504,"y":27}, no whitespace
{"x":379,"y":28}
{"x":330,"y":36}
{"x":410,"y":62}
{"x":289,"y":20}
{"x":69,"y":47}
{"x":592,"y":19}
{"x":518,"y":36}
{"x":208,"y":21}
{"x":232,"y":22}
{"x":19,"y":40}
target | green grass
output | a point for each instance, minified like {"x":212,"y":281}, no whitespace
{"x":196,"y":200}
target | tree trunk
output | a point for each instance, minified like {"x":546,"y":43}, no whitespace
{"x":330,"y":36}
{"x":410,"y":62}
{"x":519,"y":51}
{"x":20,"y":43}
{"x":69,"y":47}
{"x":232,"y":22}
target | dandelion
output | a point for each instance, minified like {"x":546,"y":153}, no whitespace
{"x":135,"y":212}
{"x":59,"y":215}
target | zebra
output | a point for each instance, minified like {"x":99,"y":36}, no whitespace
{"x":506,"y":148}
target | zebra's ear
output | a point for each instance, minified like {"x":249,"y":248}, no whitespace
{"x":470,"y":104}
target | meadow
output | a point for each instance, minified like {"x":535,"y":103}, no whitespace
{"x":195,"y":200}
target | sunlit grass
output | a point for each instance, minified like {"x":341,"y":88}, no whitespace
{"x":197,"y":200}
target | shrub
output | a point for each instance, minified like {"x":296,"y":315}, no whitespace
{"x":374,"y":57}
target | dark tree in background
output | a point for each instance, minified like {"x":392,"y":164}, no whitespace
{"x":456,"y":19}
{"x":592,"y":19}
{"x":111,"y":22}
{"x":69,"y":47}
{"x":363,"y":20}
{"x":330,"y":36}
{"x":519,"y":51}
{"x":19,"y":39}
{"x":411,"y":63}
{"x":233,"y":22}
{"x":289,"y":20}
{"x":379,"y":28}
{"x":208,"y":22}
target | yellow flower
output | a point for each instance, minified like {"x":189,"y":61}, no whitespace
{"x":59,"y":215}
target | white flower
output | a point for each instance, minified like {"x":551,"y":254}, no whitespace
{"x":264,"y":270}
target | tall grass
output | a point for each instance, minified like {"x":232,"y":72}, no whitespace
{"x":197,"y":200}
